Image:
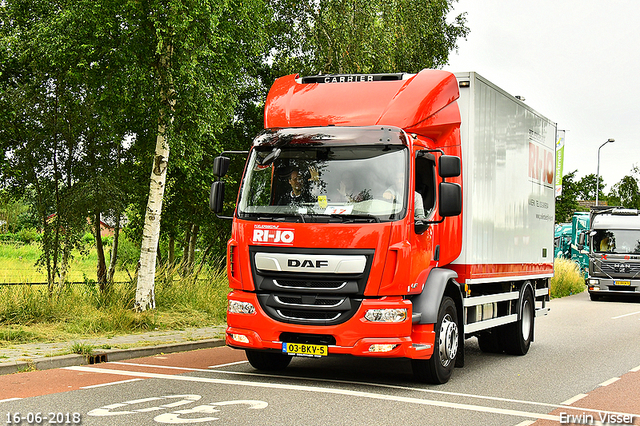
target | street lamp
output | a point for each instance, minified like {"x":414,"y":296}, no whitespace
{"x":598,"y":169}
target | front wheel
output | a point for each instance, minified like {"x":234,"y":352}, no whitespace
{"x":438,"y":368}
{"x":267,"y":361}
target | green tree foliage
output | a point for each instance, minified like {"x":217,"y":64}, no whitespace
{"x":11,"y":210}
{"x":587,"y":188}
{"x":43,"y":97}
{"x":625,"y":193}
{"x":86,"y":88}
{"x":567,"y":203}
{"x":365,"y":36}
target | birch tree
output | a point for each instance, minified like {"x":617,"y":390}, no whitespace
{"x":201,"y":53}
{"x":145,"y":297}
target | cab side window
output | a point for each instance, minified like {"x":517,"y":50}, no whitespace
{"x":425,"y":181}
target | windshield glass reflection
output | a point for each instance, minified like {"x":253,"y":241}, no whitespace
{"x":339,"y":181}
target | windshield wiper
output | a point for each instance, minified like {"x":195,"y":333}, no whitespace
{"x":346,"y":218}
{"x":274,"y":217}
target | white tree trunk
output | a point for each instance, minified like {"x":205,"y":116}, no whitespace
{"x":145,"y":296}
{"x":145,"y":290}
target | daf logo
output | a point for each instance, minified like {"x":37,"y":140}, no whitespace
{"x":306,"y":263}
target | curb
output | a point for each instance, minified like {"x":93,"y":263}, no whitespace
{"x":106,"y":355}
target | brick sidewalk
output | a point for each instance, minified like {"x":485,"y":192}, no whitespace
{"x":40,"y":356}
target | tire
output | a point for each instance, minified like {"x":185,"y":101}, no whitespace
{"x":517,"y":336}
{"x":267,"y":361}
{"x":438,"y":368}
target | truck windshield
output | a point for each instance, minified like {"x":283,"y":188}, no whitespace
{"x":325,"y":174}
{"x":616,"y":241}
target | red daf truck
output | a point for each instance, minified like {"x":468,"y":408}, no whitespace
{"x":390,"y":215}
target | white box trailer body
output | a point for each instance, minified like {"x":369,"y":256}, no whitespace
{"x":508,"y":214}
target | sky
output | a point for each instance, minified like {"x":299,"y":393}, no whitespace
{"x":574,"y":61}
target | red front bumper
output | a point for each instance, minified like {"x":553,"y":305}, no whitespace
{"x":354,"y":337}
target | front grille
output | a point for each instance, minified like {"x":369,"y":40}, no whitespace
{"x":310,"y":298}
{"x":312,"y":339}
{"x":620,"y":268}
{"x":310,"y":284}
{"x":308,"y":315}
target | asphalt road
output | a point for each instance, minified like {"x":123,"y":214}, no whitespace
{"x":585,"y":362}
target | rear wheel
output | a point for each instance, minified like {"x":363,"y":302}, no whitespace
{"x":268,"y":361}
{"x":517,"y":336}
{"x":438,"y":368}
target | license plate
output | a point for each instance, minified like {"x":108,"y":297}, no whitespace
{"x":622,"y":283}
{"x":303,"y":349}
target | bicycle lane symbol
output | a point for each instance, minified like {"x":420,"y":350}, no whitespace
{"x":197,"y":414}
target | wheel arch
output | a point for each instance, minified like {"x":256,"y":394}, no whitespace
{"x":439,"y":283}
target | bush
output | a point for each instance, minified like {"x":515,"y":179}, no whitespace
{"x":128,"y":254}
{"x":8,"y":237}
{"x":567,"y":279}
{"x":28,"y":235}
{"x":88,"y":238}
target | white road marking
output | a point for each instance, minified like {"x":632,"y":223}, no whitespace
{"x":574,"y":399}
{"x":348,"y":382}
{"x":9,"y":399}
{"x":325,"y":390}
{"x":526,"y":423}
{"x":378,"y":385}
{"x":168,"y":367}
{"x":228,"y":364}
{"x":633,"y":370}
{"x":107,"y":409}
{"x":109,"y":384}
{"x":626,"y":315}
{"x":608,"y":382}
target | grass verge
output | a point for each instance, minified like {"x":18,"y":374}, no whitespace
{"x":28,"y":314}
{"x":567,"y":279}
{"x":17,"y":265}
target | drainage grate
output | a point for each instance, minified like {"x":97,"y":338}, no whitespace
{"x":97,"y":359}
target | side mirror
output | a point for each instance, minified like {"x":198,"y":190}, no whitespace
{"x":216,"y":197}
{"x":449,"y":199}
{"x":420,"y":226}
{"x":270,"y":157}
{"x":221,"y":165}
{"x":449,"y":166}
{"x":581,"y":240}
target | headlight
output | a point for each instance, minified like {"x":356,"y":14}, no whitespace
{"x":386,"y":315}
{"x":593,"y":281}
{"x":237,"y":307}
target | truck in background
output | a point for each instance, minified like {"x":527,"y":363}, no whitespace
{"x":562,"y":240}
{"x":390,"y":215}
{"x":614,"y":242}
{"x":567,"y":241}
